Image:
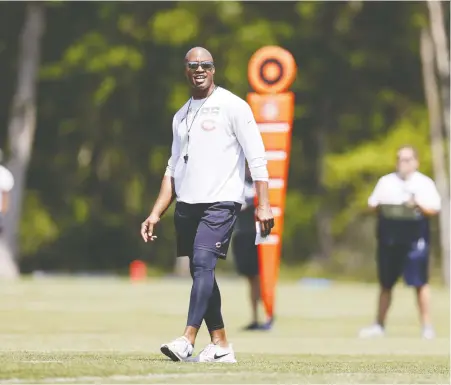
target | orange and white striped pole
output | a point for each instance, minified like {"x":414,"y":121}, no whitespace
{"x":271,"y":72}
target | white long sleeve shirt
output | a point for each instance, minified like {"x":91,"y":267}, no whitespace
{"x":222,"y":134}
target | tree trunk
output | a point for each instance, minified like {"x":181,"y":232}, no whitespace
{"x":21,"y":130}
{"x":437,"y":23}
{"x":437,"y":145}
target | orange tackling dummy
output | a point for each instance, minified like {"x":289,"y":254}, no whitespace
{"x":271,"y":72}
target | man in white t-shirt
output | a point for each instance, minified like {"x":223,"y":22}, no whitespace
{"x":6,"y":185}
{"x":213,"y":134}
{"x":404,"y":201}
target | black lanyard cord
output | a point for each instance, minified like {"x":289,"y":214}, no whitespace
{"x":188,"y":130}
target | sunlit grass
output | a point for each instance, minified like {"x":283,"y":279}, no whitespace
{"x":110,"y":330}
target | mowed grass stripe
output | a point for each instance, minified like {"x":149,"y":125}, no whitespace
{"x":114,"y":335}
{"x":70,"y":367}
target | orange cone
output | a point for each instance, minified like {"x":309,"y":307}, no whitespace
{"x":138,"y":270}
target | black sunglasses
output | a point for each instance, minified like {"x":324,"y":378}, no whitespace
{"x":194,"y":65}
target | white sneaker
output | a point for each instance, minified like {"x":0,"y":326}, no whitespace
{"x":372,"y":331}
{"x":178,"y":350}
{"x":428,"y":333}
{"x":214,"y":353}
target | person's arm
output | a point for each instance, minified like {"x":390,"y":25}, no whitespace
{"x":261,"y":188}
{"x":6,"y":179}
{"x":165,"y":197}
{"x":167,"y":191}
{"x":250,"y":139}
{"x":6,"y":185}
{"x":375,"y":198}
{"x":428,"y":198}
{"x":5,"y":202}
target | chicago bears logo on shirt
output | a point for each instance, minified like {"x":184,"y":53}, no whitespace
{"x":208,"y":125}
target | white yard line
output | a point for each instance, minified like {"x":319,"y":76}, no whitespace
{"x":39,"y":361}
{"x":119,"y":377}
{"x":90,"y":379}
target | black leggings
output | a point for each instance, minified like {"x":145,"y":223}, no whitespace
{"x":205,"y":300}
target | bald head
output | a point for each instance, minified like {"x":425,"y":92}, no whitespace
{"x":198,"y":54}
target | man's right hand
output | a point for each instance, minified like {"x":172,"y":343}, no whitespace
{"x":147,"y":227}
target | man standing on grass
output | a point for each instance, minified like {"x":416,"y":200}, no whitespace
{"x":404,"y":201}
{"x":213,"y":134}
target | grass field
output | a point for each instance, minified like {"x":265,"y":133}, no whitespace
{"x":109,"y":331}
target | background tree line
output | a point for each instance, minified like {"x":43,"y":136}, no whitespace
{"x":110,"y":78}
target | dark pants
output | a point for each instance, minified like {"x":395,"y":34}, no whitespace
{"x":203,"y":234}
{"x":245,"y":253}
{"x":409,"y":260}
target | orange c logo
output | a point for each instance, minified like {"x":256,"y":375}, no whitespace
{"x":271,"y":69}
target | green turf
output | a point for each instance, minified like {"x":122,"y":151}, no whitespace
{"x":109,"y":331}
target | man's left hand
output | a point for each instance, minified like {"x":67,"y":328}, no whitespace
{"x":266,"y":219}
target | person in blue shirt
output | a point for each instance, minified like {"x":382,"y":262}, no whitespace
{"x":403,"y":200}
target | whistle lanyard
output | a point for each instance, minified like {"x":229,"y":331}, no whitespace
{"x":188,"y":130}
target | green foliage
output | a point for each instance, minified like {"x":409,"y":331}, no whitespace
{"x":356,"y":172}
{"x":93,"y":54}
{"x":175,"y":27}
{"x":37,"y":226}
{"x":80,"y":209}
{"x":105,"y":89}
{"x":230,"y":13}
{"x":378,"y":157}
{"x":179,"y":95}
{"x":112,"y":78}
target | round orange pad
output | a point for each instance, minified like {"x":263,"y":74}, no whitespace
{"x":271,"y":69}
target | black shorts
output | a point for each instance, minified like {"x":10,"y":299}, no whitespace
{"x":245,"y":254}
{"x":206,"y":226}
{"x":411,"y":261}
